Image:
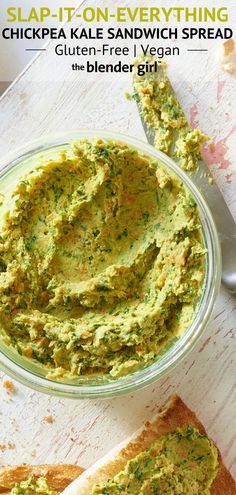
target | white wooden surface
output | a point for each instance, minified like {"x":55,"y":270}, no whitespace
{"x":48,"y":98}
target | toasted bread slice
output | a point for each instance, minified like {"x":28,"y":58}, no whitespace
{"x":58,"y":476}
{"x":172,"y":415}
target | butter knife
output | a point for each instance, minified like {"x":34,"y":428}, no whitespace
{"x":224,"y":221}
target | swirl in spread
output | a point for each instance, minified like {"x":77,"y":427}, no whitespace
{"x":101,"y":261}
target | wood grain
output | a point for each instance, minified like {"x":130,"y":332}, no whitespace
{"x":48,"y":98}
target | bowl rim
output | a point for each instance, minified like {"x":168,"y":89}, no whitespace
{"x":186,"y":342}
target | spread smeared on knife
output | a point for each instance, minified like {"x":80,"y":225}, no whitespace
{"x":162,"y":112}
{"x":101,"y":261}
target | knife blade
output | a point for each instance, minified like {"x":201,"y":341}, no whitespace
{"x":224,"y":221}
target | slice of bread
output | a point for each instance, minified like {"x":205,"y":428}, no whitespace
{"x":172,"y":415}
{"x":57,"y":476}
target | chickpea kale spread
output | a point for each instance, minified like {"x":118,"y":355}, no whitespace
{"x":183,"y":462}
{"x":33,"y":486}
{"x":102,"y":261}
{"x":180,"y":463}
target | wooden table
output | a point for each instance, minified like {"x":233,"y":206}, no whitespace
{"x":48,"y":97}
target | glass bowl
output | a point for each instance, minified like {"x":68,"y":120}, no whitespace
{"x":32,"y":374}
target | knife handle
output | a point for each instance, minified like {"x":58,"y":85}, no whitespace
{"x":226,"y":227}
{"x":224,"y":222}
{"x":228,"y":247}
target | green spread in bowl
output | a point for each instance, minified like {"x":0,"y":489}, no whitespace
{"x":102,"y":261}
